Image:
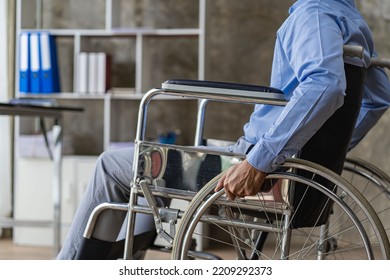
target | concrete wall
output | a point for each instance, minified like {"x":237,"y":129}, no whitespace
{"x":376,"y":146}
{"x":239,"y":40}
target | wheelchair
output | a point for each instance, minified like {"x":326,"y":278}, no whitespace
{"x":311,"y":212}
{"x":370,"y":180}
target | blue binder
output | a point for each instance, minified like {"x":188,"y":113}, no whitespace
{"x":35,"y":80}
{"x":49,"y":65}
{"x":24,"y":62}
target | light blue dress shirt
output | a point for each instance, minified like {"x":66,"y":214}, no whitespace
{"x":308,"y":66}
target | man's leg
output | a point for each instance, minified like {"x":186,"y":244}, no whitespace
{"x":110,"y":182}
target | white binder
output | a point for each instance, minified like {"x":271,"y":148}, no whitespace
{"x":103,"y":72}
{"x":92,"y":72}
{"x":35,"y":65}
{"x":82,"y":79}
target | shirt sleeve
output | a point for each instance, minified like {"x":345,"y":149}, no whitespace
{"x":312,"y":45}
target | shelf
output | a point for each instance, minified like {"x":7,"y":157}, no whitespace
{"x":138,"y":96}
{"x":92,"y":96}
{"x":121,"y":32}
{"x":63,"y":95}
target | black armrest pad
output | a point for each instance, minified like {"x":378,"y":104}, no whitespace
{"x":224,"y":85}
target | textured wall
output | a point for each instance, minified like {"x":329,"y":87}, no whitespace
{"x":240,"y":41}
{"x":376,"y":146}
{"x":240,"y":37}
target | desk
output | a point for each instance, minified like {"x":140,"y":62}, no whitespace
{"x":56,"y":112}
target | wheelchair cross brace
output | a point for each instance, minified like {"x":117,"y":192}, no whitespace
{"x":167,"y":214}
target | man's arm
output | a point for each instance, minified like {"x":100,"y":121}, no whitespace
{"x":312,"y":47}
{"x":375,"y":103}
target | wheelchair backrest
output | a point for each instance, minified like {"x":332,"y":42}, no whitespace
{"x":329,"y":147}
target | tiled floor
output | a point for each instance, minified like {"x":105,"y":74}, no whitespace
{"x":10,"y":251}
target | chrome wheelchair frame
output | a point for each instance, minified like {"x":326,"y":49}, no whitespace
{"x":248,"y":224}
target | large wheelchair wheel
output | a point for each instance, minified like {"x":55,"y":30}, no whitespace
{"x":373,"y":184}
{"x":340,"y":225}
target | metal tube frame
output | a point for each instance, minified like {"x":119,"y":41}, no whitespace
{"x":351,"y":51}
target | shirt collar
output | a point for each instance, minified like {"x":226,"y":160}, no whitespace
{"x":301,"y":2}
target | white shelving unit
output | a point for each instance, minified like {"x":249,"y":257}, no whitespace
{"x":111,"y":30}
{"x":33,"y":18}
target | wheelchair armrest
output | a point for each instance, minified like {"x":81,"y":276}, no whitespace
{"x":353,"y":51}
{"x":380,"y":62}
{"x":220,"y":85}
{"x":231,"y":90}
{"x":209,"y":90}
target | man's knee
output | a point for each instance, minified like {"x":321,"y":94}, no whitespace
{"x":116,"y":159}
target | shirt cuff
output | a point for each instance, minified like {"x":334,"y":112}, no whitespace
{"x":264,"y":160}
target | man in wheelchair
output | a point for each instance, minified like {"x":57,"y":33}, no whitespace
{"x":308,"y":67}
